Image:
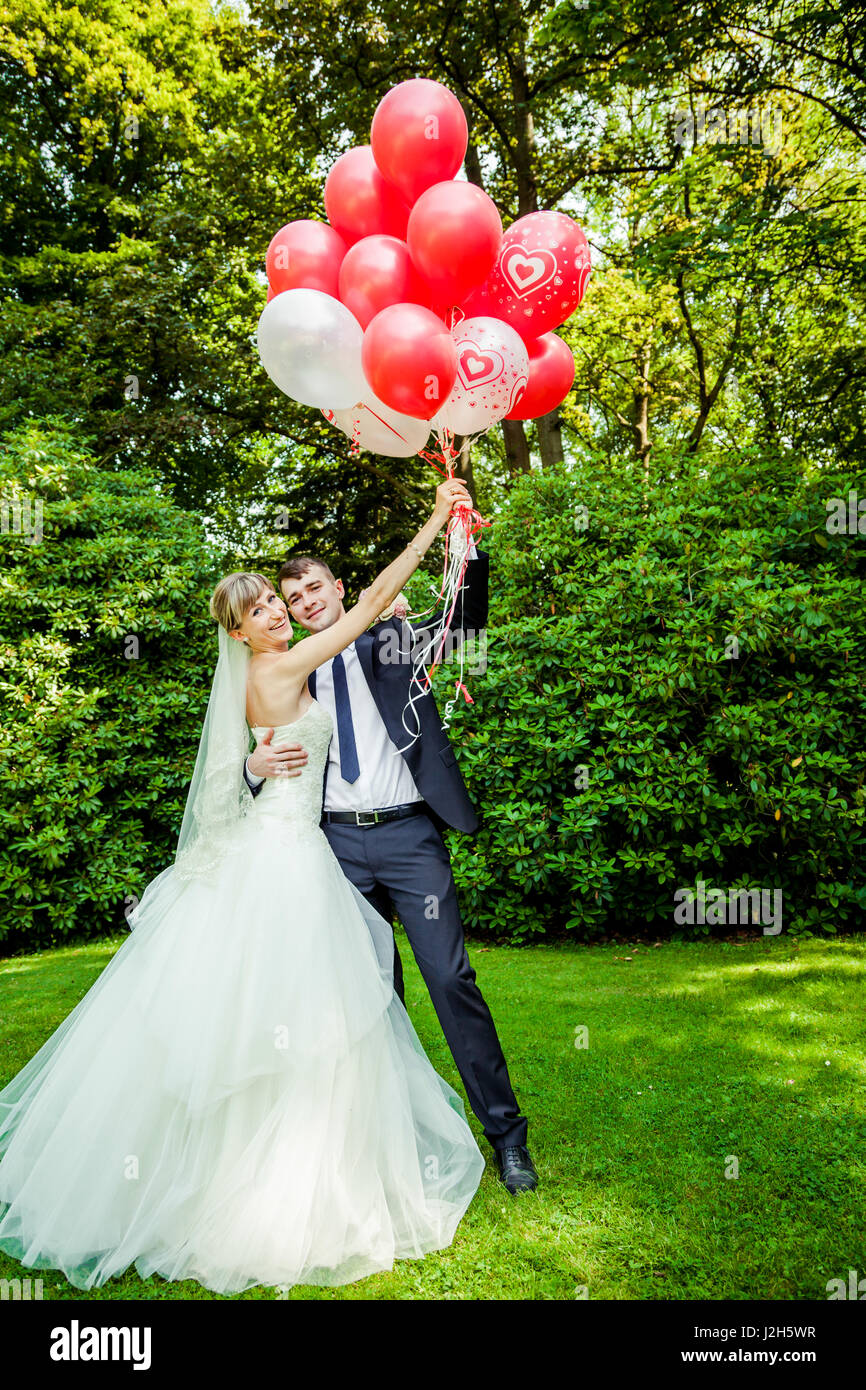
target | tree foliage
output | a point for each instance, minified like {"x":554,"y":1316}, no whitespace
{"x":106,"y":656}
{"x":150,"y":152}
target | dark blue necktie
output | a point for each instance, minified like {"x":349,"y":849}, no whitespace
{"x":349,"y":769}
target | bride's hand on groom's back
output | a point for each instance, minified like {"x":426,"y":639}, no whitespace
{"x":276,"y":759}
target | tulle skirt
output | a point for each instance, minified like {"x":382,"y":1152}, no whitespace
{"x":240,"y":1098}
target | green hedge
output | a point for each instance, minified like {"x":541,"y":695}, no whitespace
{"x":106,"y":652}
{"x":607,"y":649}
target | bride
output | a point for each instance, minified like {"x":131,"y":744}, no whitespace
{"x":241,"y":1098}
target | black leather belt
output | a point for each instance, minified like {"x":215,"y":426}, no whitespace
{"x":373,"y":817}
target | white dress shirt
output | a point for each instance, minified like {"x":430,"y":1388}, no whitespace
{"x":384,"y":779}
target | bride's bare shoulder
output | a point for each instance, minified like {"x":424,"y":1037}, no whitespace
{"x":272,"y":684}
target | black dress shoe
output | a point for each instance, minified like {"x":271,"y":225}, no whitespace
{"x":516,"y":1168}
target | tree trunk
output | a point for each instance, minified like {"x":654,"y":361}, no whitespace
{"x":524,"y":127}
{"x":549,"y":429}
{"x":708,"y":398}
{"x":472,"y":165}
{"x":516,"y":447}
{"x":463,"y":464}
{"x":642,"y":443}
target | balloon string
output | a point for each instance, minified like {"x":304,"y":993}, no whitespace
{"x":467,"y":518}
{"x":355,"y":445}
{"x":445,"y":455}
{"x":466,"y":523}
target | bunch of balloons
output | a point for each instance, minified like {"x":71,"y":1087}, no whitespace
{"x":409,"y":309}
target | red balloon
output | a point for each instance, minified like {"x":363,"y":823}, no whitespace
{"x":359,"y":202}
{"x":305,"y":255}
{"x":409,"y":359}
{"x":454,"y":235}
{"x":551,"y":372}
{"x":378,"y":271}
{"x":419,"y":135}
{"x":539,"y":277}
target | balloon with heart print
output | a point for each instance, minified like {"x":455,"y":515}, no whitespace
{"x":376,"y":427}
{"x":492,"y":373}
{"x":378,"y":271}
{"x":551,"y":373}
{"x":305,"y":255}
{"x":418,"y":135}
{"x":359,"y":202}
{"x":409,"y":359}
{"x":310,"y":346}
{"x":539,"y":277}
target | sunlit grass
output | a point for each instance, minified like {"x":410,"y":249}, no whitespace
{"x":701,"y":1059}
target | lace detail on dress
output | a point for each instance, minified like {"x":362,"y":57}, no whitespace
{"x":297,"y":801}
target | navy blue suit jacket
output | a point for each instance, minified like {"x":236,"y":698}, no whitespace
{"x":385,"y":652}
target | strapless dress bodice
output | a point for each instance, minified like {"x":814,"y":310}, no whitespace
{"x":298,"y":799}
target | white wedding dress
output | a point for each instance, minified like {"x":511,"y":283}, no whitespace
{"x":240,"y":1098}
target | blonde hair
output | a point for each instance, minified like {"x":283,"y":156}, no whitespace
{"x":233,"y":595}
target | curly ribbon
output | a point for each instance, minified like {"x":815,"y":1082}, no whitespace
{"x":465,"y":525}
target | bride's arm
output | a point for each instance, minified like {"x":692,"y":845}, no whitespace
{"x":303,"y":658}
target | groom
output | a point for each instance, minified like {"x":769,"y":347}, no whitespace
{"x":383,"y":816}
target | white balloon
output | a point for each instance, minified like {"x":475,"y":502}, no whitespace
{"x":310,"y":346}
{"x":380,"y":429}
{"x":492,"y":374}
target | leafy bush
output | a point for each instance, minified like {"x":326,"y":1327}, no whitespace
{"x":700,"y":650}
{"x":612,"y":648}
{"x":106,"y":653}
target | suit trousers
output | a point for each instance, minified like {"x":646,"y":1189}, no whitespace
{"x":403,"y":866}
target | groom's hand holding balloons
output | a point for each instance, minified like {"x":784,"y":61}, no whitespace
{"x":276,"y":759}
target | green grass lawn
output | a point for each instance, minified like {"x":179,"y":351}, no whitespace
{"x":696,"y":1054}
